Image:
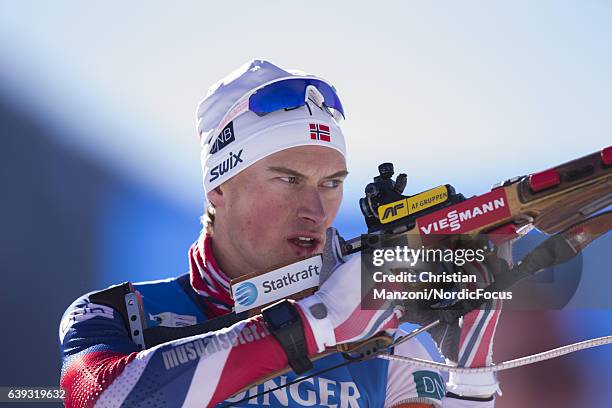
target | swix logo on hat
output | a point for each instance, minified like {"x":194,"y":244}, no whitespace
{"x":320,"y":132}
{"x":225,"y":137}
{"x":226,"y":165}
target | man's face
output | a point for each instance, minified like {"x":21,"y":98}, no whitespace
{"x":278,"y":209}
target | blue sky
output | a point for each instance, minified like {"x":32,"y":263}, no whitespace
{"x":461,"y":92}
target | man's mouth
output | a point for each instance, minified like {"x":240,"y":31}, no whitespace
{"x":306,"y":243}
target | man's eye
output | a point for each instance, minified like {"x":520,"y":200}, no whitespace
{"x":332,"y":183}
{"x":290,"y":179}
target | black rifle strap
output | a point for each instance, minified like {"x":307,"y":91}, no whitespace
{"x":115,"y":297}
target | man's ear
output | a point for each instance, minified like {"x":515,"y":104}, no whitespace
{"x":216,"y":197}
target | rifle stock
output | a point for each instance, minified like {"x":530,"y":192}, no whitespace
{"x":551,"y":201}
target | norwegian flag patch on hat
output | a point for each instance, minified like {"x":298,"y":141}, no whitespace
{"x":320,"y":132}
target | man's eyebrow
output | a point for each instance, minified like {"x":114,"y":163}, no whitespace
{"x":338,"y":174}
{"x":291,"y":172}
{"x":285,"y":170}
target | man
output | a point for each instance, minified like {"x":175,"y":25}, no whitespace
{"x":273,"y":160}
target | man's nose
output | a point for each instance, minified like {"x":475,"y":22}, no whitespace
{"x":311,"y":206}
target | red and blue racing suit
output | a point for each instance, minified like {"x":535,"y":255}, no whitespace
{"x":103,"y":367}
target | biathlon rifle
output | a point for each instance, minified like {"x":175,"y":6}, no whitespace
{"x":560,"y":201}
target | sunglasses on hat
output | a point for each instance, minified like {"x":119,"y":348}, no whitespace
{"x":286,"y":93}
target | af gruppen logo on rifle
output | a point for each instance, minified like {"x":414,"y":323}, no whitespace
{"x":320,"y":132}
{"x":412,"y":205}
{"x":467,"y":215}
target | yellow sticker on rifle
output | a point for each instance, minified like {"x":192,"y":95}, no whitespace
{"x":399,"y":209}
{"x":427,"y":199}
{"x":393,"y":211}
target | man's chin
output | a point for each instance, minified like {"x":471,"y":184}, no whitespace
{"x":290,"y":255}
{"x":298,"y":251}
{"x":287,"y":258}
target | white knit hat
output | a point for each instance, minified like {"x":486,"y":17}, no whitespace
{"x":233,"y":138}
